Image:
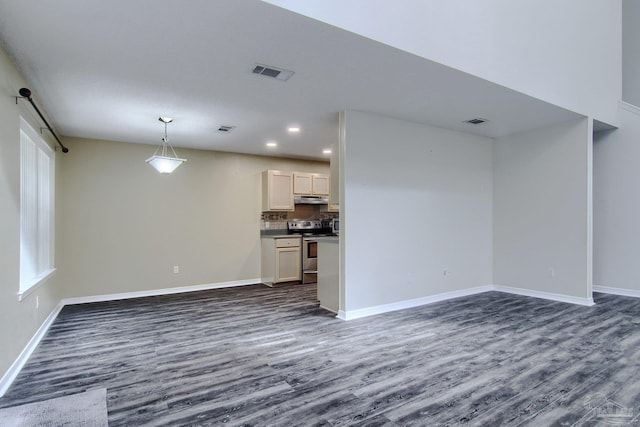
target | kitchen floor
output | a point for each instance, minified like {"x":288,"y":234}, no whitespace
{"x":269,"y":356}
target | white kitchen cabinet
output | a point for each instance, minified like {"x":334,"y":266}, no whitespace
{"x":281,"y":260}
{"x":288,"y":268}
{"x":302,"y":183}
{"x":320,"y":185}
{"x":310,"y":184}
{"x":277,"y":191}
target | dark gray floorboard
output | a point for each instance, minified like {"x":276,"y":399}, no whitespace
{"x":270,"y":356}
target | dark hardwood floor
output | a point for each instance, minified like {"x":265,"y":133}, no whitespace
{"x":269,"y":356}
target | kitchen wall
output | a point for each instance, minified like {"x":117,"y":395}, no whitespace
{"x":19,"y":320}
{"x":125,"y":226}
{"x":441,"y":181}
{"x":543,"y":48}
{"x":542,"y":211}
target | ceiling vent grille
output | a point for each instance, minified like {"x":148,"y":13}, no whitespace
{"x":273,"y":72}
{"x":476,"y":121}
{"x":225,"y":128}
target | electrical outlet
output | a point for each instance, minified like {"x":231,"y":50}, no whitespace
{"x":445,"y":272}
{"x":176,"y":269}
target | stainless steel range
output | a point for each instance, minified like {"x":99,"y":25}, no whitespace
{"x":310,"y":229}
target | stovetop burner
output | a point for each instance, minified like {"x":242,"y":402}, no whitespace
{"x":307,"y":227}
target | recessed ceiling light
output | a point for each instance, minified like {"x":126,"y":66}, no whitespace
{"x":293,"y":129}
{"x":326,"y":151}
{"x":271,"y":144}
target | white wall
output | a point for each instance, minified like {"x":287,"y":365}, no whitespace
{"x":567,"y":53}
{"x":631,"y":51}
{"x":616,"y":174}
{"x":542,"y":208}
{"x":125,"y":226}
{"x":19,"y":321}
{"x":417,"y":200}
{"x":617,"y":204}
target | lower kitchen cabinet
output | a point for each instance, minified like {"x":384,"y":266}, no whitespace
{"x":329,"y":273}
{"x":281,"y":260}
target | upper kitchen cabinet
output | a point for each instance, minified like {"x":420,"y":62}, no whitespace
{"x":277,"y":191}
{"x":310,"y":184}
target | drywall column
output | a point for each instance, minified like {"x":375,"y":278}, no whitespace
{"x":617,"y":206}
{"x":416,"y":210}
{"x":542,"y":212}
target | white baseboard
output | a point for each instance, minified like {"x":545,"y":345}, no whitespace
{"x":18,"y":364}
{"x":379,"y":309}
{"x":157,"y":292}
{"x":401,"y":305}
{"x":545,"y":295}
{"x":617,"y":291}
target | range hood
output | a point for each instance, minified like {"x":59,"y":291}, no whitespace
{"x":311,"y":200}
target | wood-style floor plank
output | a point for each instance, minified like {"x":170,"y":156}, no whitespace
{"x":270,"y":356}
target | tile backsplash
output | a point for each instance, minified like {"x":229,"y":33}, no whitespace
{"x":278,"y":220}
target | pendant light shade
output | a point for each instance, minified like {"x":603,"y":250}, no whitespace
{"x":162,"y":161}
{"x":165,"y":164}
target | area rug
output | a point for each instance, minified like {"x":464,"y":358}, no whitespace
{"x":82,"y":409}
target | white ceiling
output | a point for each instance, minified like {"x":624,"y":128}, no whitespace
{"x":109,"y":69}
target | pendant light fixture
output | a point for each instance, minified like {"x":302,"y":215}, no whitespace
{"x":163,"y":162}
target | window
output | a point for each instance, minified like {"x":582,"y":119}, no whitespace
{"x":37,"y":184}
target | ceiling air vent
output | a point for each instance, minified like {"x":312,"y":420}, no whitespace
{"x":476,"y":121}
{"x":274,"y":72}
{"x":226,"y":128}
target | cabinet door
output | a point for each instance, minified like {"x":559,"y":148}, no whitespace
{"x":288,"y":264}
{"x":302,"y":183}
{"x":277,"y":191}
{"x":320,"y":185}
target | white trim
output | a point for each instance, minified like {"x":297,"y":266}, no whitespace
{"x":545,"y":295}
{"x":617,"y":291}
{"x":36,"y":284}
{"x":401,"y":305}
{"x":157,"y":292}
{"x":629,"y":107}
{"x":18,"y":364}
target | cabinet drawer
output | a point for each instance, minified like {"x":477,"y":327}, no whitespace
{"x":287,"y":242}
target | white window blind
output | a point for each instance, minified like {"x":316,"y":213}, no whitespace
{"x":37,"y":184}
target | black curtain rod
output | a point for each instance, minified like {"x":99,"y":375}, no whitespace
{"x":26,"y":93}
